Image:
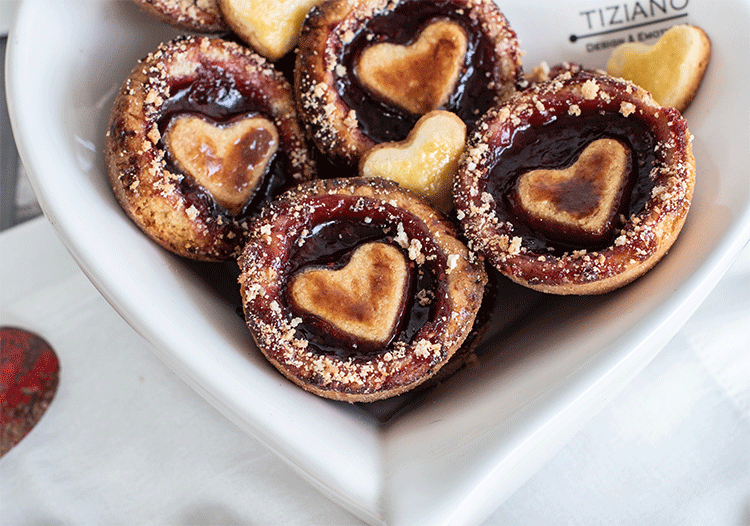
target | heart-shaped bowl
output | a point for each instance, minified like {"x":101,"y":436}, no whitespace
{"x":449,"y":455}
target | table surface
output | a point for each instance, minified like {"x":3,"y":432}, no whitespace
{"x":126,"y":441}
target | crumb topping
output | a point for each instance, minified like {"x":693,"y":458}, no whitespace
{"x":333,"y":125}
{"x":627,"y":109}
{"x":195,"y":15}
{"x":641,"y":241}
{"x":137,"y":161}
{"x":402,"y":364}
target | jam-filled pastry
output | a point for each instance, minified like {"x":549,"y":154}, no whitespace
{"x":202,"y":16}
{"x":271,"y":28}
{"x":367,"y":71}
{"x":576,"y":186}
{"x":672,"y":69}
{"x":203,"y":133}
{"x":356,"y":289}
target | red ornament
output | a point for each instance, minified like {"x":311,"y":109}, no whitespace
{"x":29,"y":373}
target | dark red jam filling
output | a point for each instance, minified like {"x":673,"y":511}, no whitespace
{"x":222,"y":98}
{"x":384,"y":122}
{"x":557,"y":144}
{"x":330,"y":244}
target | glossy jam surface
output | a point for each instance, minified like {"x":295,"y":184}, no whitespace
{"x":384,"y":122}
{"x":330,"y":244}
{"x":220,"y":98}
{"x":557,"y":145}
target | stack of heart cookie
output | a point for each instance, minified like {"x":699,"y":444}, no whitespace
{"x":362,"y":193}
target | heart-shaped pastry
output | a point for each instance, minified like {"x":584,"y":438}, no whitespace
{"x":228,"y":160}
{"x":29,"y":374}
{"x":672,"y":69}
{"x":363,"y":300}
{"x":271,"y":28}
{"x":418,"y":77}
{"x":579,"y":201}
{"x":426,"y":161}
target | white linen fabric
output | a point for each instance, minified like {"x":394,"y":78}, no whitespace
{"x":125,"y":441}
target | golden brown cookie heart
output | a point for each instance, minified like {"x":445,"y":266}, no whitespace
{"x":418,"y":77}
{"x":364,"y":299}
{"x":271,"y":28}
{"x":581,"y":199}
{"x":426,"y":161}
{"x":228,"y":160}
{"x":672,"y":69}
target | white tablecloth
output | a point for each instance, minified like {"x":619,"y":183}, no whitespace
{"x":127,"y":442}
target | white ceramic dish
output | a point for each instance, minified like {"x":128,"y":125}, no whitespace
{"x":448,"y":456}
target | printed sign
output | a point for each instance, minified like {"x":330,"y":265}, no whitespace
{"x":625,"y":22}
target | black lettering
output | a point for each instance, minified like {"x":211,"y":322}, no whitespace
{"x":651,"y":34}
{"x":607,"y":44}
{"x":654,"y":4}
{"x":587,"y":14}
{"x":639,"y":10}
{"x":614,"y":20}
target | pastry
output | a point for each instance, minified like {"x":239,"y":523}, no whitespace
{"x":201,"y":134}
{"x":356,"y":289}
{"x":672,"y":69}
{"x":425,"y":162}
{"x":543,"y":72}
{"x":367,"y":71}
{"x":578,"y":185}
{"x":271,"y":28}
{"x":202,"y":16}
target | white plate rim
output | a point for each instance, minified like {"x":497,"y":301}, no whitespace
{"x":372,"y":503}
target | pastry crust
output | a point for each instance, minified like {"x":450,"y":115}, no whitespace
{"x":201,"y":16}
{"x":394,"y":216}
{"x":543,"y":72}
{"x":647,"y":229}
{"x":344,"y":118}
{"x":184,"y":78}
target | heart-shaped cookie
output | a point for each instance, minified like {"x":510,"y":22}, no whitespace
{"x":29,"y":373}
{"x":228,"y":160}
{"x":580,"y":201}
{"x":672,"y":69}
{"x":271,"y":28}
{"x":418,"y":77}
{"x":363,"y":300}
{"x":426,"y":161}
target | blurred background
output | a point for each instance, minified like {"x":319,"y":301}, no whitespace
{"x":17,"y":201}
